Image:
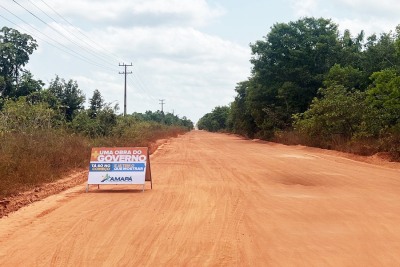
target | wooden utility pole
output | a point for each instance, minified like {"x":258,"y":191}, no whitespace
{"x":125,"y":73}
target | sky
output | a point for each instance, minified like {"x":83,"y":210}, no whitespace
{"x":190,"y":53}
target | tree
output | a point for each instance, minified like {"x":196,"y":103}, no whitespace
{"x":27,"y":85}
{"x":351,"y":49}
{"x":165,"y":118}
{"x":384,"y":95}
{"x":22,"y":117}
{"x":96,"y":103}
{"x":216,"y":120}
{"x":15,"y":49}
{"x":288,"y":68}
{"x":339,"y":113}
{"x":69,"y":95}
{"x":240,"y":120}
{"x":101,"y":125}
{"x":348,"y":77}
{"x":380,"y":53}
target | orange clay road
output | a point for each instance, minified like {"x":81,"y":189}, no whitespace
{"x":219,"y":200}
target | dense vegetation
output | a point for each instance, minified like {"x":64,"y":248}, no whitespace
{"x":46,"y":131}
{"x":312,"y":85}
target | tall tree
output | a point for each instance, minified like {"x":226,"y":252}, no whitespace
{"x":339,"y":112}
{"x":288,"y":68}
{"x":69,"y":95}
{"x":216,"y":120}
{"x":240,"y":120}
{"x":15,"y":49}
{"x":351,"y":49}
{"x":27,"y":85}
{"x":380,"y":53}
{"x":384,"y":95}
{"x":96,"y":103}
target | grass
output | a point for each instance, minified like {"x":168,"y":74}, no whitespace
{"x":364,"y":147}
{"x":28,"y":160}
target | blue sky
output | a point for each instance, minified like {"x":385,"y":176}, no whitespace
{"x":189,"y":52}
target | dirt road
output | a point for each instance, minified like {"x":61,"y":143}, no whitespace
{"x":219,"y":200}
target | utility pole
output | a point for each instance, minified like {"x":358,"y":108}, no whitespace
{"x":125,"y":73}
{"x":162,"y":103}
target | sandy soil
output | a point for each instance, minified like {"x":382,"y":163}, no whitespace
{"x":219,"y":200}
{"x":76,"y":177}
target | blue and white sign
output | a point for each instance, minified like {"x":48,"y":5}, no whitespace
{"x":123,"y":165}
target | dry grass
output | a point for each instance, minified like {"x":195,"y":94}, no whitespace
{"x":28,"y":160}
{"x":364,"y":147}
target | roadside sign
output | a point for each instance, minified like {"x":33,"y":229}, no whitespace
{"x":119,"y":165}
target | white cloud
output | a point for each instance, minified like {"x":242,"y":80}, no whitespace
{"x":386,"y":8}
{"x":172,"y":58}
{"x":370,"y":25}
{"x":192,"y":70}
{"x":356,"y":15}
{"x":370,"y":16}
{"x":195,"y":70}
{"x":137,"y":12}
{"x":305,"y":7}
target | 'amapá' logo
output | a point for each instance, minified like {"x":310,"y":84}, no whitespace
{"x":109,"y":178}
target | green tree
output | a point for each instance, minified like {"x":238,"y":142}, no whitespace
{"x":2,"y":84}
{"x":288,"y":68}
{"x":15,"y":49}
{"x":27,"y":85}
{"x":348,"y":77}
{"x":240,"y":120}
{"x":339,"y":113}
{"x":351,"y":49}
{"x":96,"y":103}
{"x":101,"y":125}
{"x":165,"y":118}
{"x":23,"y":117}
{"x":69,"y":95}
{"x":380,"y":53}
{"x":384,"y":95}
{"x":216,"y":120}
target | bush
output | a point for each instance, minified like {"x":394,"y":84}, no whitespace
{"x":338,"y":115}
{"x":21,"y":116}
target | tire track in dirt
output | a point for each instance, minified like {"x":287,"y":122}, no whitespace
{"x":219,"y":200}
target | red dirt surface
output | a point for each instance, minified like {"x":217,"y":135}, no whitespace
{"x":219,"y":200}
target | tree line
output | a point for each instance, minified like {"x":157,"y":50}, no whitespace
{"x":46,"y":131}
{"x":311,"y":84}
{"x":26,"y":104}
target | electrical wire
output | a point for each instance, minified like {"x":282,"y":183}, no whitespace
{"x":88,"y":59}
{"x":141,"y":87}
{"x":135,"y":80}
{"x":110,"y":54}
{"x":73,"y":34}
{"x":65,"y":49}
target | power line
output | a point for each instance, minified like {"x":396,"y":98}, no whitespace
{"x":73,"y":34}
{"x":34,"y":15}
{"x":24,"y":29}
{"x":141,"y":86}
{"x":115,"y":57}
{"x":72,"y":52}
{"x":62,"y":30}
